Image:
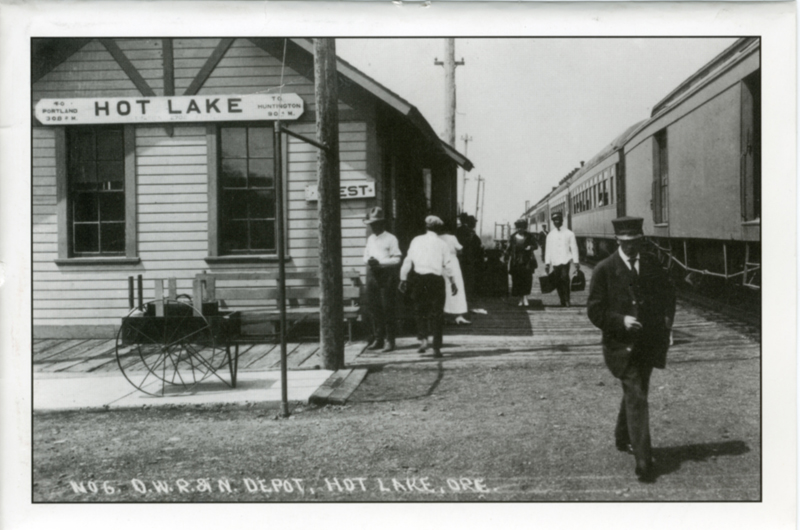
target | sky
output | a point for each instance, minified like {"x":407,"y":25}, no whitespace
{"x":533,"y":108}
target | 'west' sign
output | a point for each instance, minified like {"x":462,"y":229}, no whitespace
{"x":77,"y":111}
{"x":358,"y":189}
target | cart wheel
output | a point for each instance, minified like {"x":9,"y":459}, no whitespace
{"x":159,"y":355}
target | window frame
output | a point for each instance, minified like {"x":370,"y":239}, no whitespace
{"x":750,"y":183}
{"x":660,"y":187}
{"x":214,"y":208}
{"x":65,"y":253}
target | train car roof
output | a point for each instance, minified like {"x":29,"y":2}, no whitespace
{"x":608,"y":150}
{"x":713,"y":68}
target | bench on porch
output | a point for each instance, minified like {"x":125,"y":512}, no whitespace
{"x":254,"y":297}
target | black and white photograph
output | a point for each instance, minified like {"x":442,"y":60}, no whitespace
{"x":431,"y":267}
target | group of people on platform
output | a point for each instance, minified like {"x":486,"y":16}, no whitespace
{"x":631,"y":300}
{"x":438,"y":255}
{"x":463,"y":261}
{"x":559,"y":253}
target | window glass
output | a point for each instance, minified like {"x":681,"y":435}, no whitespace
{"x":247,"y":195}
{"x":112,"y":206}
{"x":234,"y":173}
{"x":84,"y":207}
{"x":233,"y":141}
{"x":110,"y":145}
{"x":112,"y":236}
{"x":86,"y":238}
{"x":260,"y":173}
{"x":96,"y":190}
{"x":260,"y":143}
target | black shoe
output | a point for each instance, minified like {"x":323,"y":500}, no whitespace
{"x":377,"y":345}
{"x":437,"y":354}
{"x":646,"y":474}
{"x":625,"y":447}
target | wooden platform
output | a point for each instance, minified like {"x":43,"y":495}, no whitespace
{"x":506,"y":333}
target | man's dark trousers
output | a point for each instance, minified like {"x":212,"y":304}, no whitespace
{"x":633,"y":420}
{"x":561,"y":273}
{"x":428,"y":294}
{"x":382,"y":299}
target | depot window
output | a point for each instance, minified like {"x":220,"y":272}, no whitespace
{"x":246,"y":190}
{"x":95,"y":185}
{"x":242,"y":224}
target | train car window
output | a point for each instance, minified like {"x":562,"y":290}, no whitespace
{"x":601,"y":191}
{"x":611,"y":187}
{"x":751,"y":147}
{"x":660,"y":178}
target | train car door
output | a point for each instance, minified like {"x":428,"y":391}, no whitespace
{"x":620,"y":191}
{"x":751,"y":148}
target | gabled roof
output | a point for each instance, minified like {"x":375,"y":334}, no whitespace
{"x":394,"y":101}
{"x":49,"y":53}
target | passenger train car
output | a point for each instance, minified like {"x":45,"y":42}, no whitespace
{"x":692,"y":171}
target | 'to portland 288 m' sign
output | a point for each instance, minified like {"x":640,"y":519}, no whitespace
{"x":77,"y":111}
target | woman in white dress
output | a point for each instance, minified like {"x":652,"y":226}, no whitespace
{"x":455,"y":305}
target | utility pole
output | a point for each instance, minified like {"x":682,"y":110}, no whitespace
{"x":330,"y":219}
{"x":483,"y":201}
{"x":467,"y":139}
{"x":449,"y":64}
{"x":478,"y":193}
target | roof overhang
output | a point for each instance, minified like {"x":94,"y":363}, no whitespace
{"x":459,"y":159}
{"x":398,"y":104}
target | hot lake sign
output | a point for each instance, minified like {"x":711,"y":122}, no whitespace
{"x":78,"y":111}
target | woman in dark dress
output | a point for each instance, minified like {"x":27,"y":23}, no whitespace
{"x":521,"y":261}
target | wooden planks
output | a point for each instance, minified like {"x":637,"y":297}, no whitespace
{"x":338,"y":387}
{"x":342,"y":393}
{"x":321,"y":395}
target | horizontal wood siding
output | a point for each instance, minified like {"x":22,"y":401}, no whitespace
{"x":91,"y":72}
{"x":171,"y":229}
{"x":303,"y":226}
{"x":172,"y":181}
{"x":147,"y":56}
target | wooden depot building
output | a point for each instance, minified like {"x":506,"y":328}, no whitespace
{"x":156,"y":157}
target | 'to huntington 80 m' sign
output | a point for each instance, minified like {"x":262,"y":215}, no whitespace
{"x":76,"y":111}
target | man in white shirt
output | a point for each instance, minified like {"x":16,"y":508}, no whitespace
{"x":430,"y":259}
{"x":382,"y":256}
{"x":561,"y":250}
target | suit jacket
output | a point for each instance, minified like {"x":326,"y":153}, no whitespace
{"x":615,"y":292}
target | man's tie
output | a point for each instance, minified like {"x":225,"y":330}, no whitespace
{"x":633,"y":266}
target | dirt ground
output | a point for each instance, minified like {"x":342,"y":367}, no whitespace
{"x":538,"y":430}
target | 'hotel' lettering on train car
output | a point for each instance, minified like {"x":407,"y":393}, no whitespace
{"x":77,"y":111}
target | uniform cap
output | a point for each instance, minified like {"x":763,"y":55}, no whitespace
{"x":626,"y":228}
{"x":521,"y":223}
{"x":558,"y":215}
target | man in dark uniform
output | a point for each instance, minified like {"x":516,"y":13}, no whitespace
{"x":382,"y":256}
{"x":632,"y":301}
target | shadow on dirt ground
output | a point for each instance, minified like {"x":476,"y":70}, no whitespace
{"x":670,"y":459}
